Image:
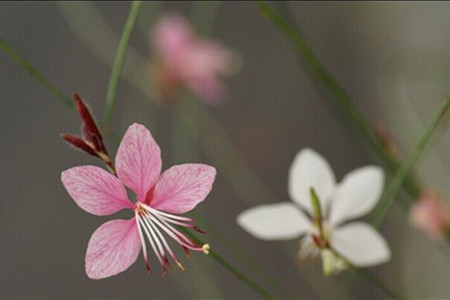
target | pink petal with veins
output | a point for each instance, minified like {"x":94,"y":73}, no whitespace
{"x":112,"y":249}
{"x":95,"y":190}
{"x":138,"y":160}
{"x":182,"y":187}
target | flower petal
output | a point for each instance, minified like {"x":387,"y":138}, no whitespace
{"x":138,"y":160}
{"x":360,"y":244}
{"x":95,"y":190}
{"x":182,"y":187}
{"x":280,"y":221}
{"x":310,"y":169}
{"x":357,"y":194}
{"x":172,"y":36}
{"x":112,"y":249}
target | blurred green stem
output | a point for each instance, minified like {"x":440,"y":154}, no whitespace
{"x":250,"y":283}
{"x":67,"y":101}
{"x":245,"y":258}
{"x":341,"y":101}
{"x":407,"y":165}
{"x":118,"y":65}
{"x":82,"y":18}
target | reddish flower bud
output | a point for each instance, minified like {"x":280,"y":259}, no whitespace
{"x":78,"y":143}
{"x":86,"y":117}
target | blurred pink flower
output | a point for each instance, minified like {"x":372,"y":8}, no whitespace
{"x":116,"y":244}
{"x":431,"y":214}
{"x":185,"y":59}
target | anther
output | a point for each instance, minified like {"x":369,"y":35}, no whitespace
{"x":206,"y":248}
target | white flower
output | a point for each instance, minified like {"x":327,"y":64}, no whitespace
{"x":357,"y":242}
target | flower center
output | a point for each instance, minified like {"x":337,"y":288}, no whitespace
{"x":320,"y":234}
{"x":152,"y":223}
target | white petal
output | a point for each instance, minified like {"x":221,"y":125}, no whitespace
{"x":360,"y":244}
{"x":310,"y":169}
{"x":274,"y":221}
{"x":357,"y":194}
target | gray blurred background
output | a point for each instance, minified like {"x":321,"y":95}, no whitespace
{"x":392,"y":58}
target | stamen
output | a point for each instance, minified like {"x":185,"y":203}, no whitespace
{"x":158,"y":243}
{"x":176,"y":235}
{"x":152,"y":221}
{"x":144,"y":247}
{"x":151,"y":241}
{"x":152,"y":210}
{"x":165,"y":243}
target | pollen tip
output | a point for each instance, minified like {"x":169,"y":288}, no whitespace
{"x":199,"y":230}
{"x":180,"y":265}
{"x":147,"y":266}
{"x":186,"y":250}
{"x":206,"y":248}
{"x":164,"y":273}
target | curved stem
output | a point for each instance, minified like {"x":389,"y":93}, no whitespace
{"x":67,"y":101}
{"x":342,"y":101}
{"x":407,"y":165}
{"x":118,"y":64}
{"x":216,"y":256}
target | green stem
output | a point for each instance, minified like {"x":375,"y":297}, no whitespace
{"x":217,"y":257}
{"x":245,"y":258}
{"x":118,"y":64}
{"x":67,"y":101}
{"x":81,"y":17}
{"x":407,"y":165}
{"x":342,"y":100}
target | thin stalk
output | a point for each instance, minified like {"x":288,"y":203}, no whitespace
{"x":80,"y":18}
{"x":67,"y":101}
{"x":350,"y":112}
{"x":118,"y":64}
{"x":245,"y":258}
{"x":217,"y":257}
{"x":184,"y":148}
{"x":406,"y":166}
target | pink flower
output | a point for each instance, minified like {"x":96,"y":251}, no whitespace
{"x":431,"y":214}
{"x":116,"y":244}
{"x":185,"y":59}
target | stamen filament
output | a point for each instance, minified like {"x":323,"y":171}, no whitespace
{"x":155,"y":237}
{"x":151,"y":241}
{"x":164,"y":242}
{"x":150,"y":221}
{"x":144,"y":247}
{"x":176,"y":235}
{"x":152,"y":210}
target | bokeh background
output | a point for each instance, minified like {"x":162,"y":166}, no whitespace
{"x":391,"y":57}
